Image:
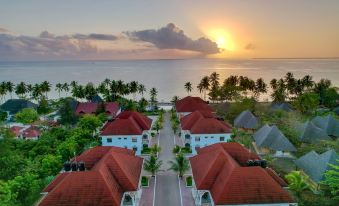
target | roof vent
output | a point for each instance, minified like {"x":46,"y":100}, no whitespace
{"x":74,"y":166}
{"x":67,"y":166}
{"x":81,"y":166}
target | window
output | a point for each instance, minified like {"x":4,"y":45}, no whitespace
{"x":109,"y":139}
{"x":222,"y":139}
{"x":134,"y":139}
{"x":125,"y":138}
{"x":119,"y":138}
{"x":206,"y":137}
{"x":212,"y":137}
{"x":125,"y":147}
{"x":197,"y":139}
{"x":135,"y":148}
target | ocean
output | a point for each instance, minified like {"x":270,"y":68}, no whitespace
{"x":168,"y":76}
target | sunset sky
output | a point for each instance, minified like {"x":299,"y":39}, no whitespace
{"x":153,"y":29}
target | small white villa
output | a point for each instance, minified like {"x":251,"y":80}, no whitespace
{"x":190,"y":104}
{"x":130,"y":130}
{"x":201,"y":128}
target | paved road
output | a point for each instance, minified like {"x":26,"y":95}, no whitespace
{"x":167,"y":188}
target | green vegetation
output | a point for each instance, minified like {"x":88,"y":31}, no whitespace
{"x":189,"y":181}
{"x":296,"y":183}
{"x":174,"y":121}
{"x":144,"y":181}
{"x":180,"y":165}
{"x":332,"y":181}
{"x":26,"y":116}
{"x":152,"y":164}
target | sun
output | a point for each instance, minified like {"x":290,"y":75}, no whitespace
{"x":222,"y":38}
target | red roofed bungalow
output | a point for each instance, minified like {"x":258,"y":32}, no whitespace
{"x":201,"y":128}
{"x":17,"y":131}
{"x":31,"y":133}
{"x":190,"y":104}
{"x":128,"y":130}
{"x":110,"y":108}
{"x":223,"y":175}
{"x":110,"y":177}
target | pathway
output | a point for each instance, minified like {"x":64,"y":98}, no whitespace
{"x":167,"y":187}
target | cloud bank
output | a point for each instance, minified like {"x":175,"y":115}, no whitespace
{"x":171,"y":37}
{"x":166,"y":42}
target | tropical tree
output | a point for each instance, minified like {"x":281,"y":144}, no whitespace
{"x":89,"y":91}
{"x":155,"y":149}
{"x":307,"y":102}
{"x":141,"y":89}
{"x":21,"y":90}
{"x":36,"y":92}
{"x":153,"y":96}
{"x":59,"y":88}
{"x":10,"y":88}
{"x":180,"y":165}
{"x":153,"y":164}
{"x":175,"y":99}
{"x":200,"y":88}
{"x":297,"y":183}
{"x":332,"y":180}
{"x":65,"y":87}
{"x":142,"y":105}
{"x":3,"y":90}
{"x":205,"y":83}
{"x":45,"y":88}
{"x":133,"y":88}
{"x":321,"y":88}
{"x":26,"y":116}
{"x":260,"y":87}
{"x":188,"y":87}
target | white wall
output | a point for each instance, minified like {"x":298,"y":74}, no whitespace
{"x":205,"y":139}
{"x":124,"y":141}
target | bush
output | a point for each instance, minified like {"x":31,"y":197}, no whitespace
{"x":144,"y":181}
{"x":189,"y":181}
{"x":146,"y":150}
{"x":26,"y":116}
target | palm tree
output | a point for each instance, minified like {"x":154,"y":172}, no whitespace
{"x":65,"y":87}
{"x":153,"y":164}
{"x":188,"y":87}
{"x":155,"y":149}
{"x":260,"y":87}
{"x":73,"y":84}
{"x":141,"y":89}
{"x":89,"y":91}
{"x":133,"y":88}
{"x":58,"y":88}
{"x":10,"y":87}
{"x":153,"y":95}
{"x":214,"y":79}
{"x":205,"y":83}
{"x":120,"y":87}
{"x":296,"y":183}
{"x":107,"y":82}
{"x":274,"y":84}
{"x":21,"y":90}
{"x":36,"y":92}
{"x":3,"y":90}
{"x":180,"y":165}
{"x":200,"y":88}
{"x":45,"y":88}
{"x":175,"y":99}
{"x":307,"y":81}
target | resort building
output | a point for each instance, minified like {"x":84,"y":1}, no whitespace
{"x":101,"y":176}
{"x":246,"y":121}
{"x":314,"y":165}
{"x":26,"y":132}
{"x":282,"y":106}
{"x":110,"y":108}
{"x":129,"y":129}
{"x":201,"y":128}
{"x":228,"y":174}
{"x":269,"y":139}
{"x":190,"y":104}
{"x":319,"y":128}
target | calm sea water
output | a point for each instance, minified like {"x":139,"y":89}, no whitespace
{"x":168,"y":76}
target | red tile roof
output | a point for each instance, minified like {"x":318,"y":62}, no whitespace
{"x":203,"y":122}
{"x":16,"y":130}
{"x":220,"y":169}
{"x":31,"y":132}
{"x":115,"y":171}
{"x":112,"y":108}
{"x":86,"y":108}
{"x":127,"y":123}
{"x":191,"y":104}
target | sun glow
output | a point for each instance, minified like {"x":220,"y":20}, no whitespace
{"x":223,"y":39}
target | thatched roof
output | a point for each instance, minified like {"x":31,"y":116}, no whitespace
{"x":271,"y":137}
{"x":315,"y":165}
{"x":15,"y":105}
{"x":282,"y":106}
{"x":246,"y":120}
